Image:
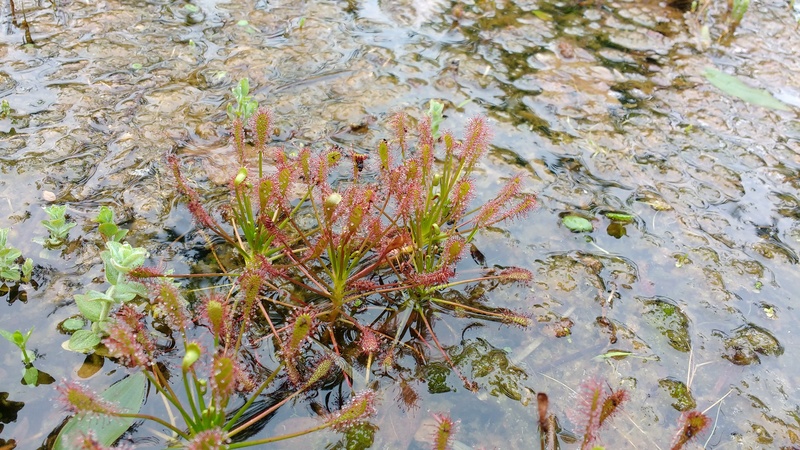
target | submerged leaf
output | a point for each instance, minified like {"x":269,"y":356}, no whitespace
{"x":73,"y":324}
{"x":733,"y":86}
{"x":577,"y":224}
{"x":615,"y":354}
{"x":620,"y":216}
{"x":83,"y":341}
{"x":30,"y":375}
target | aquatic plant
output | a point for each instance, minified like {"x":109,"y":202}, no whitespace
{"x":5,"y":109}
{"x":393,"y":233}
{"x":107,"y":225}
{"x":17,"y":338}
{"x":737,"y":10}
{"x":210,"y":376}
{"x":436,"y":114}
{"x":10,"y":268}
{"x":57,"y":225}
{"x":119,"y":259}
{"x":445,"y":429}
{"x":245,"y":105}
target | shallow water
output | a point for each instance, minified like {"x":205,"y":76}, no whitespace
{"x":602,"y":106}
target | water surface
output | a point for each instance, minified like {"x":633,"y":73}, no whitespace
{"x":602,"y":105}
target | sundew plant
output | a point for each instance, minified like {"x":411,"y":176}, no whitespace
{"x":342,"y":276}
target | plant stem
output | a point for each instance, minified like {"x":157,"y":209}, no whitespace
{"x":252,"y":398}
{"x":154,"y":419}
{"x":279,"y":438}
{"x":265,"y":413}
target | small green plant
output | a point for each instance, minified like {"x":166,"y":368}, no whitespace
{"x":436,"y":114}
{"x":245,"y":25}
{"x":57,"y":225}
{"x":245,"y":105}
{"x":5,"y":109}
{"x":108,"y":227}
{"x":10,"y":269}
{"x":738,"y":8}
{"x":30,"y":374}
{"x":119,"y":259}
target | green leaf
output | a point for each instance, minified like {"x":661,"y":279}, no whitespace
{"x":620,"y":217}
{"x":121,"y":258}
{"x":27,"y":269}
{"x":733,"y":86}
{"x":91,"y":304}
{"x":577,"y":224}
{"x":193,"y":352}
{"x":56,"y":211}
{"x":73,"y":324}
{"x":105,"y":215}
{"x":19,"y":339}
{"x":83,"y":341}
{"x":127,"y":291}
{"x":30,"y":376}
{"x":9,"y":336}
{"x":10,"y":273}
{"x":615,"y":354}
{"x":436,"y":113}
{"x":10,"y":253}
{"x":128,"y":395}
{"x":107,"y":229}
{"x":542,"y":15}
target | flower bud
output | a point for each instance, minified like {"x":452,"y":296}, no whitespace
{"x":240,"y":176}
{"x":193,"y":353}
{"x":330,"y":204}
